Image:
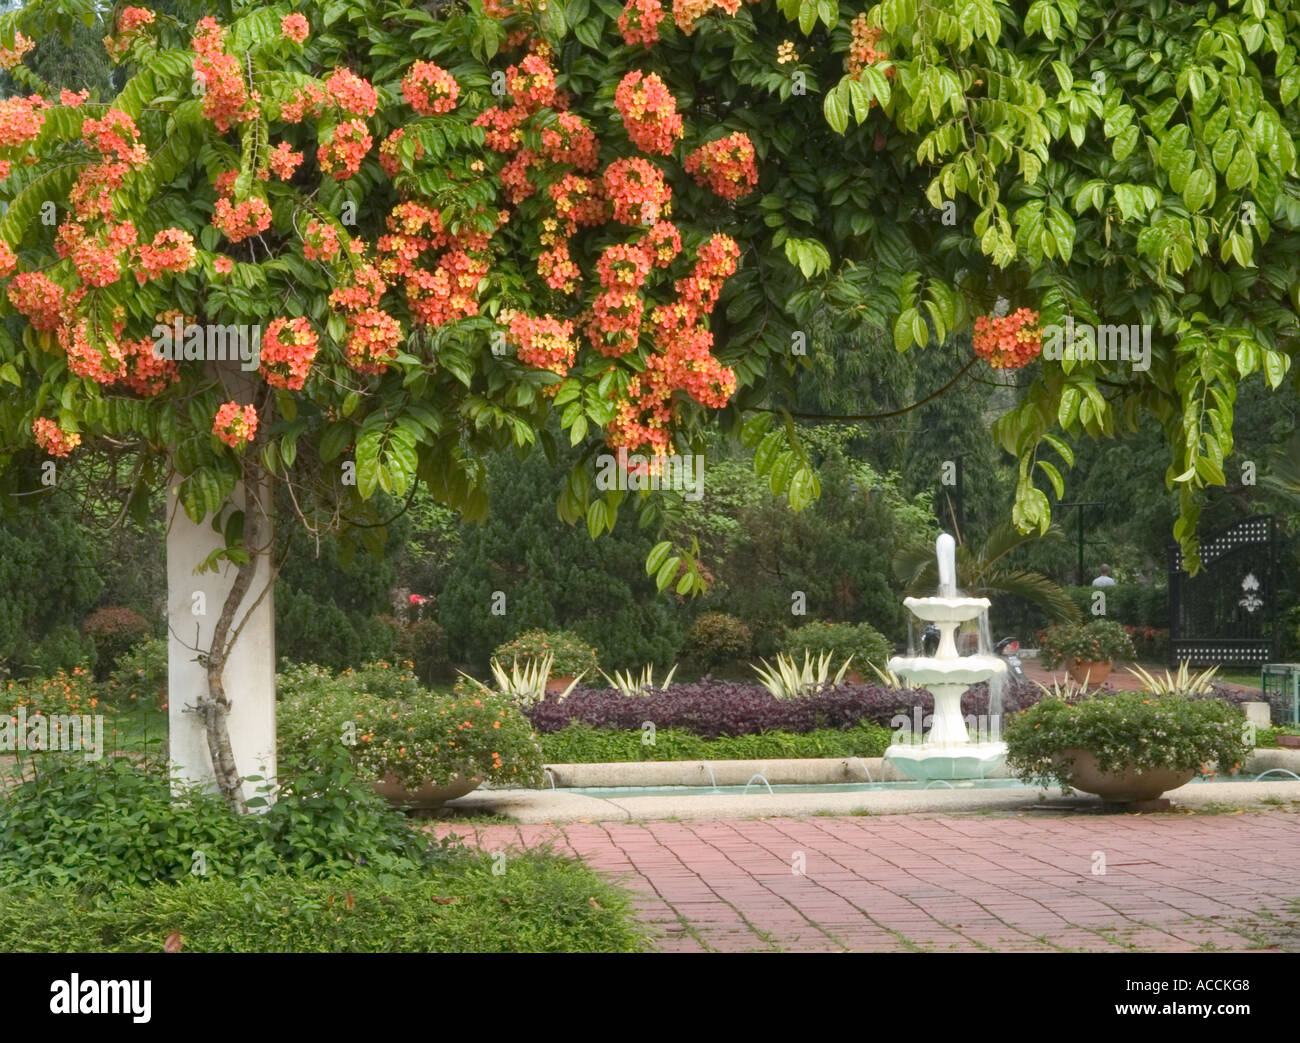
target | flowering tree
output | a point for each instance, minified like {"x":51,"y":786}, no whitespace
{"x":465,"y":228}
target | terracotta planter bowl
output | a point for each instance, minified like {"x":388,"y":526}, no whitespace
{"x":1129,"y":786}
{"x":555,"y":685}
{"x":1094,"y":673}
{"x":427,"y":795}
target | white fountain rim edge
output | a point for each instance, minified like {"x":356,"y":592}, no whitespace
{"x":949,"y":602}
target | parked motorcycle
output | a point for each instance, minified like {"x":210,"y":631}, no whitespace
{"x":1008,"y":648}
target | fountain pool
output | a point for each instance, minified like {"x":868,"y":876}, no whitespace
{"x":617,"y":792}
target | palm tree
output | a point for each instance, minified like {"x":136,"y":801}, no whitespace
{"x":1284,"y":469}
{"x":984,"y":572}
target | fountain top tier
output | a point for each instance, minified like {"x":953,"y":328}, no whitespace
{"x":946,"y":610}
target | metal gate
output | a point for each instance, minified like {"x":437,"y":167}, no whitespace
{"x":1225,"y":613}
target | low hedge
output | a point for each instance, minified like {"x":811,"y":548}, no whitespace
{"x":583,"y":744}
{"x":540,"y":903}
{"x":710,"y":709}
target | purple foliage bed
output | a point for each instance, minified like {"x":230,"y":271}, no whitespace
{"x":713,"y":708}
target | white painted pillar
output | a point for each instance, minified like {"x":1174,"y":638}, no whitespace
{"x":250,"y":670}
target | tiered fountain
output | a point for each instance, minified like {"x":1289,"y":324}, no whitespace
{"x":947,"y":752}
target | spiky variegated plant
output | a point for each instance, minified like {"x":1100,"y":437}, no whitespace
{"x":786,"y":680}
{"x":628,"y":684}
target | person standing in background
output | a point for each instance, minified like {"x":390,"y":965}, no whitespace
{"x":1105,"y":579}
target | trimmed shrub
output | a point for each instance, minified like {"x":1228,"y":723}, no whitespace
{"x":423,"y":644}
{"x":113,"y":630}
{"x":860,"y":640}
{"x":572,"y":655}
{"x":717,"y":639}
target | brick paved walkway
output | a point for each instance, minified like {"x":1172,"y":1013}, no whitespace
{"x":1172,"y":883}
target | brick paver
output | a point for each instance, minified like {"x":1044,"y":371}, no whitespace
{"x":1171,"y":883}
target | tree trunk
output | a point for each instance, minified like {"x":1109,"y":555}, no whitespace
{"x":221,"y":696}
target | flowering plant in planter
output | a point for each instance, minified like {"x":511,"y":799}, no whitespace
{"x":1127,"y":731}
{"x":1098,"y":641}
{"x":471,"y":733}
{"x":570,"y":655}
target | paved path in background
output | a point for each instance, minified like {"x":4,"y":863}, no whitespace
{"x":1172,"y":882}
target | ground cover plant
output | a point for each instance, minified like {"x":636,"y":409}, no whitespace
{"x":583,"y":744}
{"x":539,"y":903}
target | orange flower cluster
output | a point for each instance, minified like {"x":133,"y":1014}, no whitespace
{"x":571,"y":141}
{"x":288,"y":350}
{"x":662,"y":243}
{"x":389,"y":156}
{"x":134,"y":19}
{"x":614,"y":325}
{"x":531,"y":84}
{"x":147,"y":374}
{"x":687,"y":12}
{"x":430,"y":89}
{"x":320,"y":242}
{"x":90,"y":354}
{"x":235,"y":425}
{"x":1010,"y":341}
{"x":637,"y":191}
{"x":130,"y":26}
{"x":172,"y":250}
{"x":649,"y":112}
{"x":53,"y":439}
{"x":501,"y":128}
{"x":726,"y":165}
{"x":639,"y":22}
{"x":73,"y":100}
{"x":862,"y":48}
{"x":294,"y":27}
{"x":352,"y":94}
{"x":8,"y":260}
{"x":374,"y":337}
{"x":12,"y":57}
{"x":683,"y":360}
{"x":21,"y":119}
{"x":307,"y":100}
{"x":239,"y":221}
{"x":543,"y":342}
{"x":342,"y":155}
{"x":39,"y":298}
{"x":284,"y":161}
{"x":99,"y":258}
{"x":115,"y":137}
{"x":226,"y":99}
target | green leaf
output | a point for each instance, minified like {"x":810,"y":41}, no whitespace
{"x":836,"y":112}
{"x":658,"y":554}
{"x":1058,"y":483}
